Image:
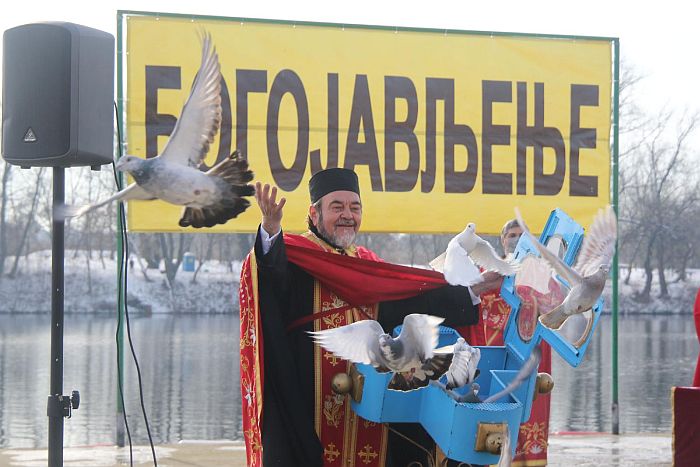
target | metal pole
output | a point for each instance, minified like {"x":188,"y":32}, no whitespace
{"x":120,"y":247}
{"x":615,"y":174}
{"x":57,"y":255}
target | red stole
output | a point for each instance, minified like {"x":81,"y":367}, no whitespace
{"x":360,"y":279}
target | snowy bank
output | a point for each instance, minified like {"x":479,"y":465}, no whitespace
{"x":91,"y":287}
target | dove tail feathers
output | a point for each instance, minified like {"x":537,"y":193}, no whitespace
{"x":235,"y":173}
{"x":211,"y":216}
{"x":234,"y":170}
{"x":554,"y":319}
{"x":65,"y":211}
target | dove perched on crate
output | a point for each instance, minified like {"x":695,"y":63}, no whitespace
{"x":587,"y":278}
{"x":472,"y":394}
{"x":411,"y":356}
{"x":464,"y":253}
{"x":463,"y":369}
{"x":173,"y":176}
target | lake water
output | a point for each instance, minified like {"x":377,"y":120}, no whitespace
{"x":190,"y":378}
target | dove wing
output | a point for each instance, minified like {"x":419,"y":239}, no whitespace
{"x":420,"y":334}
{"x":133,"y":191}
{"x":526,"y":370}
{"x":485,"y":256}
{"x":458,"y":268}
{"x":357,"y":342}
{"x":571,"y":276}
{"x":201,"y":116}
{"x":599,"y":244}
{"x":438,"y":264}
{"x":459,"y":368}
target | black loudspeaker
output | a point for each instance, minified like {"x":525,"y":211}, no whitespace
{"x":57,"y":95}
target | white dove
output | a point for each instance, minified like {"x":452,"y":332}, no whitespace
{"x":463,"y":369}
{"x":410,"y":356}
{"x":173,"y":176}
{"x":587,"y":278}
{"x":466,"y":251}
{"x":472,"y":394}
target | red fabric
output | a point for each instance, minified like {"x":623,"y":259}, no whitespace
{"x":348,"y":277}
{"x":346,"y":439}
{"x":686,"y":426}
{"x":251,"y":362}
{"x":696,"y":313}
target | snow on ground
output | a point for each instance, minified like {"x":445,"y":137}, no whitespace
{"x":92,"y":288}
{"x":680,"y":300}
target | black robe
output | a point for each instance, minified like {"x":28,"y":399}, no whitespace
{"x":286,"y":294}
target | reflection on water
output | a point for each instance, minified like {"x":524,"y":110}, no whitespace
{"x":188,"y":363}
{"x":655,"y":353}
{"x":190,"y":373}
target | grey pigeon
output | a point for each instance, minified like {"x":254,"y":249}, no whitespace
{"x":469,"y":397}
{"x":466,"y":251}
{"x":587,"y":278}
{"x":173,"y":176}
{"x":410,"y":356}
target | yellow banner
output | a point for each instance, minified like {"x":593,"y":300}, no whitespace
{"x":443,"y":128}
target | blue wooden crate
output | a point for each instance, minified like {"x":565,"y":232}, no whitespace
{"x":453,"y":425}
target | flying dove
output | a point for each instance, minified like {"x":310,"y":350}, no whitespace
{"x":410,"y":356}
{"x":464,"y":253}
{"x":173,"y":176}
{"x":587,"y":278}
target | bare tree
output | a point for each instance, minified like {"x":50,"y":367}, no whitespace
{"x":3,"y":215}
{"x":28,"y":222}
{"x":203,"y":246}
{"x":661,"y":187}
{"x":173,"y":248}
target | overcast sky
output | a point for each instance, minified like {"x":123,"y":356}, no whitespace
{"x":659,"y":40}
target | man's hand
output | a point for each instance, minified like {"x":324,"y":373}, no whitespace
{"x":271,"y":210}
{"x":492,"y":280}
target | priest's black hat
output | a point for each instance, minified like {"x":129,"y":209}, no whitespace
{"x":329,"y":180}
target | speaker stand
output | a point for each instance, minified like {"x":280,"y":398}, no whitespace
{"x":59,"y":406}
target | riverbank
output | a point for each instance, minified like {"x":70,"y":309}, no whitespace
{"x":91,"y":287}
{"x":580,"y":449}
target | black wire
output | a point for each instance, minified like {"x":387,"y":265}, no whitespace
{"x":124,"y":261}
{"x":120,"y":296}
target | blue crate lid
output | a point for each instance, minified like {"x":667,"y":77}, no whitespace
{"x":570,"y":232}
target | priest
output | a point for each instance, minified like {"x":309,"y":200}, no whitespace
{"x":321,"y":279}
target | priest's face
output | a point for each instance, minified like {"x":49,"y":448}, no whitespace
{"x":338,"y":217}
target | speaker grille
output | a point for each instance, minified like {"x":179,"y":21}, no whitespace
{"x":36,"y":92}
